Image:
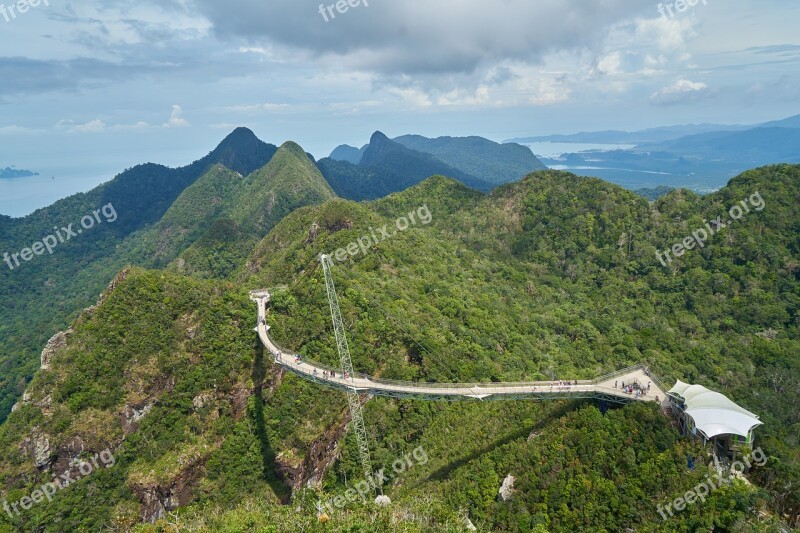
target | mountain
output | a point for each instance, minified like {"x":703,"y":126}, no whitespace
{"x":241,"y":151}
{"x":753,"y":147}
{"x":791,"y":122}
{"x":474,"y":156}
{"x":386,"y":167}
{"x":158,"y":213}
{"x":702,"y":162}
{"x":492,"y":162}
{"x":655,"y":193}
{"x":552,"y":276}
{"x":10,"y":173}
{"x":662,"y":133}
{"x":288,"y":182}
{"x":347,"y":153}
{"x":654,"y":135}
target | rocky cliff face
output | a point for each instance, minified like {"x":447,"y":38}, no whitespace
{"x":321,"y":454}
{"x":158,"y":499}
{"x":37,"y":446}
{"x":56,"y":343}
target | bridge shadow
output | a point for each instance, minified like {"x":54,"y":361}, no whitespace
{"x":444,"y":472}
{"x":269,"y":468}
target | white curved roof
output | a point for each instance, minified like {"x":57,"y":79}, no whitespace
{"x":714,"y":413}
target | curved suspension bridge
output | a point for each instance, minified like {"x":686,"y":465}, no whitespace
{"x":608,"y":387}
{"x":631,"y":384}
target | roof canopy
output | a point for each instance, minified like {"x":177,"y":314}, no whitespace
{"x":713,"y":413}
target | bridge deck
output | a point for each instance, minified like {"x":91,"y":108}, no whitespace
{"x":601,"y":388}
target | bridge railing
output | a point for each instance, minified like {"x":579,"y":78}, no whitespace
{"x":656,"y":380}
{"x":554,"y":385}
{"x":483,"y":385}
{"x":617,"y":374}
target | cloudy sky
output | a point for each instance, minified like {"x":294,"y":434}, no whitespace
{"x":90,"y":88}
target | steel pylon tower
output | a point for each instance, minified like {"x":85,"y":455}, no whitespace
{"x":353,"y":399}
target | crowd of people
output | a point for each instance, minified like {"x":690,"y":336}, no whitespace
{"x":634,"y":388}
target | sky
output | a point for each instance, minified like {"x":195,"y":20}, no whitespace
{"x":90,"y":88}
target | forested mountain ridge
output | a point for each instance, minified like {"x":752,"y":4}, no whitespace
{"x":231,"y":213}
{"x":288,"y":182}
{"x":497,"y":163}
{"x":42,"y":296}
{"x":475,"y":161}
{"x":553,"y":276}
{"x":386,"y":167}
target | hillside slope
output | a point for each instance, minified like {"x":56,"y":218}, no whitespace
{"x":289,"y":181}
{"x":552,"y":276}
{"x":157,"y":214}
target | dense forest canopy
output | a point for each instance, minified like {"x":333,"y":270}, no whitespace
{"x":554,"y":276}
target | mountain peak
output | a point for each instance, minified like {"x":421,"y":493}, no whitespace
{"x":241,"y":151}
{"x":294,"y":148}
{"x":238,"y":137}
{"x":345,"y":152}
{"x":379,"y":146}
{"x":378,"y":137}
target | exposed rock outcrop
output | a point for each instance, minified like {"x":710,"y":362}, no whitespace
{"x":157,"y":500}
{"x":320,"y":456}
{"x":68,"y":456}
{"x":56,"y":343}
{"x":131,"y":415}
{"x":37,"y":446}
{"x":313,"y":233}
{"x":507,"y":489}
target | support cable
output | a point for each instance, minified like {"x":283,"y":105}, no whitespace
{"x":353,"y":398}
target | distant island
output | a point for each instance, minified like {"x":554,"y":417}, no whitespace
{"x":11,"y":172}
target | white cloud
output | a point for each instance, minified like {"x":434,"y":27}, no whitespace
{"x":251,"y":108}
{"x":416,"y":98}
{"x":176,"y":119}
{"x":97,"y":126}
{"x":666,"y":35}
{"x":419,"y":37}
{"x":16,"y":130}
{"x":610,"y":64}
{"x":682,"y":91}
{"x":93,"y":126}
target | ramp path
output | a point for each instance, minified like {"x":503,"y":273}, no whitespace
{"x":608,"y":387}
